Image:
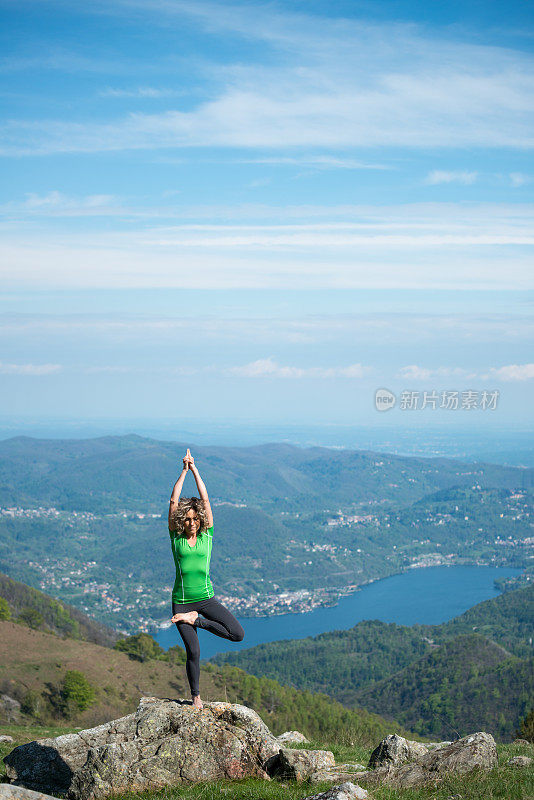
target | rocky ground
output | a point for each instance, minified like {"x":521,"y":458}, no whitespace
{"x":168,"y":743}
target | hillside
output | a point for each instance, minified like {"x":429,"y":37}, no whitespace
{"x":40,"y":611}
{"x":118,"y":472}
{"x":466,"y":683}
{"x":85,"y":521}
{"x":33,"y":665}
{"x":507,"y":619}
{"x":339,"y":663}
{"x":350,"y":665}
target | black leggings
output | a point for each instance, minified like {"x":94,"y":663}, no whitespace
{"x":218,"y":621}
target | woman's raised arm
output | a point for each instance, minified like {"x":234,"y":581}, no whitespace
{"x":177,"y":488}
{"x":201,"y":488}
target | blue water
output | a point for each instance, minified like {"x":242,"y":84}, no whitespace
{"x":427,"y":596}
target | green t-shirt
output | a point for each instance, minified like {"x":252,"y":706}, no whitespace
{"x":192,"y":567}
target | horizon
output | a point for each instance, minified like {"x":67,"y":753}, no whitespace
{"x":511,"y":445}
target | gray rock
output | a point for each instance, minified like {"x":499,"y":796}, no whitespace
{"x":336,"y":776}
{"x":522,"y":741}
{"x":9,"y":707}
{"x":395,"y":750}
{"x":165,"y":743}
{"x":6,"y":739}
{"x":292,"y":737}
{"x":339,"y":773}
{"x":298,"y":765}
{"x":49,"y":765}
{"x":519,"y":761}
{"x":435,"y":745}
{"x":477,"y":750}
{"x":346,"y":791}
{"x":10,"y":792}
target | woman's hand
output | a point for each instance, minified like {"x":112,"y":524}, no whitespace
{"x":190,"y":460}
{"x":186,"y":461}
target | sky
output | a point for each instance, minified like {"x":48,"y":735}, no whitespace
{"x":267,"y":211}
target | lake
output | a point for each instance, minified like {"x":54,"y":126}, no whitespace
{"x":427,"y":596}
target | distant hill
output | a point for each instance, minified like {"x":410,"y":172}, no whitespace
{"x":466,"y":683}
{"x":40,"y":611}
{"x":117,"y":472}
{"x":33,"y":665}
{"x":92,"y":513}
{"x":507,"y":619}
{"x":373,"y":660}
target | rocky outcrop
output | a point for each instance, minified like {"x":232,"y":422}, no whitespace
{"x":165,"y":743}
{"x":169,"y":742}
{"x":292,"y":737}
{"x":346,"y":791}
{"x":338,"y":773}
{"x":9,"y":708}
{"x":475,"y":751}
{"x":394,"y":750}
{"x":519,"y":761}
{"x":10,"y":792}
{"x":6,"y":739}
{"x":298,"y":765}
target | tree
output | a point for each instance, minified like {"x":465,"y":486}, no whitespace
{"x":31,"y":617}
{"x":77,"y":693}
{"x":32,"y":703}
{"x":526,"y":727}
{"x":176,"y":655}
{"x":5,"y":613}
{"x":140,"y":647}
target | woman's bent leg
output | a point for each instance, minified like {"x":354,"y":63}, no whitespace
{"x":219,"y":621}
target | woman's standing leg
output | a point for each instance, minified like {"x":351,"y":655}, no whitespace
{"x":192,"y":649}
{"x":219,"y":621}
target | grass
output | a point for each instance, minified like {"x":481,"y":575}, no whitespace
{"x":501,"y":783}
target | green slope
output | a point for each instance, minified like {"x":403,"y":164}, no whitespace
{"x":116,"y":472}
{"x":362,"y":665}
{"x":42,"y":612}
{"x":507,"y":619}
{"x":467,"y":684}
{"x":33,"y":665}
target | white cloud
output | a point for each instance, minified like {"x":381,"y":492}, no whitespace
{"x":262,"y":368}
{"x":56,"y":203}
{"x":417,"y":373}
{"x":519,"y":179}
{"x":435,"y":245}
{"x":316,"y":162}
{"x":141,"y":92}
{"x":269,"y":368}
{"x":325,"y":83}
{"x":29,"y":369}
{"x":440,"y":176}
{"x":512,"y":372}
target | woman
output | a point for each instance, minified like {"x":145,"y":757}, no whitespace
{"x":191,"y":532}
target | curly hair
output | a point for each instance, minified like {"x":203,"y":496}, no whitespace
{"x":183,"y":507}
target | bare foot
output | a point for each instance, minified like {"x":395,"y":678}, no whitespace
{"x":197,"y":702}
{"x":187,"y":616}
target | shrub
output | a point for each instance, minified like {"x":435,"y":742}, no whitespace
{"x":32,"y":703}
{"x":526,"y":727}
{"x":5,"y":613}
{"x":77,"y":693}
{"x":31,"y":617}
{"x":176,"y":655}
{"x":140,"y":647}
